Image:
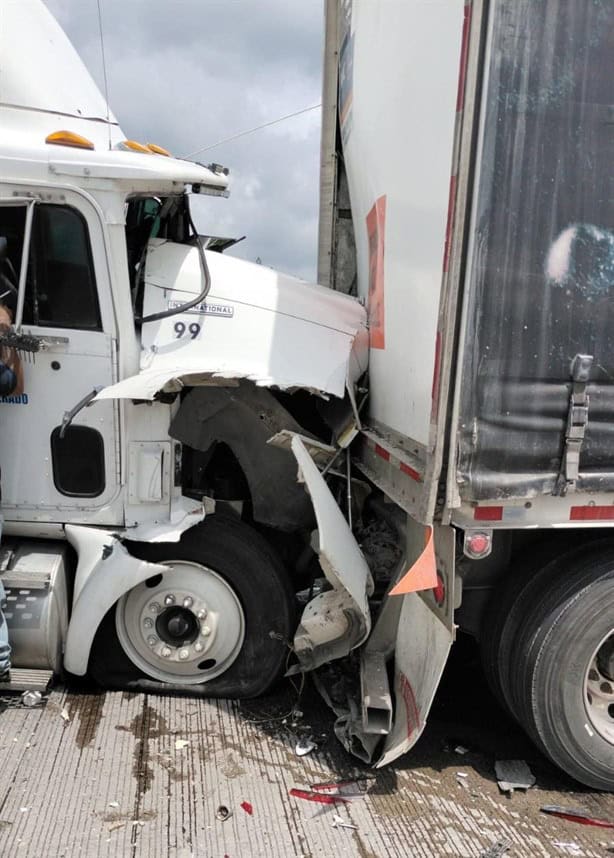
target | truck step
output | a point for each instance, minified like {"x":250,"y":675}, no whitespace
{"x":23,"y":679}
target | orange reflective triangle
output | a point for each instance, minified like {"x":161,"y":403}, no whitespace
{"x":422,"y":575}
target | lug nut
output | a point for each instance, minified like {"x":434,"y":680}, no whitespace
{"x":169,"y":600}
{"x":205,"y":631}
{"x":166,"y":652}
{"x":202,"y":614}
{"x":183,"y":654}
{"x":198,"y":646}
{"x":188,"y":602}
{"x":148,"y":623}
{"x":155,"y":608}
{"x":152,"y":640}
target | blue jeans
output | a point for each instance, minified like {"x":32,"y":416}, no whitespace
{"x":5,"y":648}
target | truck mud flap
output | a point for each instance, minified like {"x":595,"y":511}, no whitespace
{"x":338,"y":620}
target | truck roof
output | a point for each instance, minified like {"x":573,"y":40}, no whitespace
{"x":55,"y":92}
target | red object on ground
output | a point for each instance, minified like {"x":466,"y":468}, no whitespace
{"x":247,"y":807}
{"x":318,"y":797}
{"x":574,"y":814}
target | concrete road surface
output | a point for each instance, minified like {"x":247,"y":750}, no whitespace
{"x":113,"y":774}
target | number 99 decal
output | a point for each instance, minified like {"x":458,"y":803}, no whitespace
{"x":193,"y":330}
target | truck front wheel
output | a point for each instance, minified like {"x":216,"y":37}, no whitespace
{"x":564,"y":676}
{"x":216,"y":624}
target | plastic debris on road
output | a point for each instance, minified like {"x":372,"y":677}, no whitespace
{"x":576,"y":814}
{"x":339,"y":822}
{"x":247,"y":807}
{"x":513,"y":774}
{"x":180,"y":744}
{"x":304,"y":746}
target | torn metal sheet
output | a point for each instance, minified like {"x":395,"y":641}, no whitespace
{"x":336,"y":621}
{"x":257,"y":324}
{"x":184,"y":514}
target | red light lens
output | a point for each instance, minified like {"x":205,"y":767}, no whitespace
{"x":439,"y":592}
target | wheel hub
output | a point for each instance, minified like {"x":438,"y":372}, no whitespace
{"x":599,"y":689}
{"x":177,"y":626}
{"x":185,"y":626}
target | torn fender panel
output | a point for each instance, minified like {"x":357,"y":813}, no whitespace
{"x":104,"y":575}
{"x":338,"y":620}
{"x":256,"y":324}
{"x":184,"y":514}
{"x":424,"y":636}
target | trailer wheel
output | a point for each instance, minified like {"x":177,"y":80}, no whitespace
{"x":506,"y":611}
{"x":563,"y":679}
{"x":215,"y":625}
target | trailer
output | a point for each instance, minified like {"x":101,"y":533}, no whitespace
{"x":466,"y":198}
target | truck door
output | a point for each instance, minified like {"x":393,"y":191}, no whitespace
{"x":49,"y":473}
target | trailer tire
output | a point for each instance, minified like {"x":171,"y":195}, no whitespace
{"x":560,"y":694}
{"x":242,"y":572}
{"x":505,"y":613}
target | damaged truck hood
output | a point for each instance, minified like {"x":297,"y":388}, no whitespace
{"x":256,"y":323}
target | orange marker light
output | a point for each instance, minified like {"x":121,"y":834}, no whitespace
{"x":133,"y":146}
{"x":158,"y":150}
{"x":69,"y":138}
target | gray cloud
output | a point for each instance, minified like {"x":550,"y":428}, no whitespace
{"x":192,"y":72}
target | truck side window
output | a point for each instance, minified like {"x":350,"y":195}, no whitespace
{"x":60,"y":287}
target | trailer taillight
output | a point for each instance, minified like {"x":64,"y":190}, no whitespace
{"x":478,"y":544}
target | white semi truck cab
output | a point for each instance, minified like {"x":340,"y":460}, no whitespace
{"x":145,"y":511}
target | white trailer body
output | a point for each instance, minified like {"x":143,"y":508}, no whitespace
{"x":466,"y":197}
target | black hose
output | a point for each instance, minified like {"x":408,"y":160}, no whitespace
{"x":164,"y":314}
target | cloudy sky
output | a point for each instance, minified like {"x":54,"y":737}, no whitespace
{"x":188,"y":73}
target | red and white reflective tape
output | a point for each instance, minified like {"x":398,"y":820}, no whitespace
{"x":393,"y":460}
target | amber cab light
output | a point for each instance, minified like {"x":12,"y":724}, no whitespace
{"x":69,"y":138}
{"x":133,"y":146}
{"x":158,"y":150}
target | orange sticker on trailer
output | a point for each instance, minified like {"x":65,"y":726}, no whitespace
{"x":376,"y":223}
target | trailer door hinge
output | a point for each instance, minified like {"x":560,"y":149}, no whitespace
{"x":577,"y":421}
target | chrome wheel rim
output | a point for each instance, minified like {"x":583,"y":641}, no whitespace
{"x":185,"y":626}
{"x":599,"y":689}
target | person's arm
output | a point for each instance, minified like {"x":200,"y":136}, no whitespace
{"x":10,"y":357}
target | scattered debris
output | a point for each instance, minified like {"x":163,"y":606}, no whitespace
{"x":338,"y":792}
{"x":24,"y":809}
{"x":513,"y":774}
{"x":460,"y":749}
{"x":569,"y":848}
{"x":338,"y":822}
{"x":461,"y":779}
{"x":497,"y":849}
{"x":223,"y":813}
{"x":64,"y":714}
{"x":318,"y":797}
{"x":113,"y":804}
{"x":304,"y":746}
{"x":247,"y":807}
{"x":352,"y":789}
{"x":31,"y":699}
{"x":576,"y":814}
{"x":180,"y":744}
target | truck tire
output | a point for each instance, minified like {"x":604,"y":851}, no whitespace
{"x":217,"y":625}
{"x":563,"y":677}
{"x":506,"y":610}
